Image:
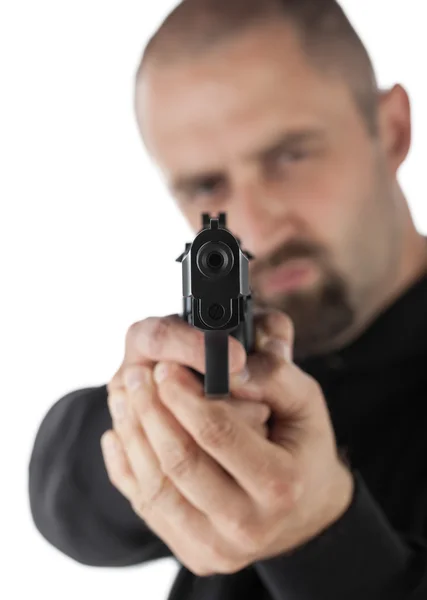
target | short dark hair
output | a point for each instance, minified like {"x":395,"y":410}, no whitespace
{"x":327,"y":37}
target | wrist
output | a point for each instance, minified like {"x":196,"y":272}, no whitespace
{"x":340,"y":496}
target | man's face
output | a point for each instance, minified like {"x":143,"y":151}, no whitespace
{"x":254,"y":130}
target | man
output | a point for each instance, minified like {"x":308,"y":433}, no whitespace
{"x":267,"y":110}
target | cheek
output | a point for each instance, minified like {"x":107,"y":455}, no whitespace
{"x":324,"y":197}
{"x":334,"y":196}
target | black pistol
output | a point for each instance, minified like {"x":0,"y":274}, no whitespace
{"x":217,"y":297}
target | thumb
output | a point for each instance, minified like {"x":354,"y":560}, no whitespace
{"x":253,"y":413}
{"x":274,"y":334}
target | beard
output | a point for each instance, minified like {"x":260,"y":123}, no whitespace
{"x":320,"y":315}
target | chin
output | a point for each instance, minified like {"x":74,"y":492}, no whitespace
{"x":320,"y":312}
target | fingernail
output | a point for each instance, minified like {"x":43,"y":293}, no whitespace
{"x":279,"y":348}
{"x":242,"y":377}
{"x":161,"y":371}
{"x":135,"y":377}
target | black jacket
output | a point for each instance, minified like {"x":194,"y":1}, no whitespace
{"x":376,"y":390}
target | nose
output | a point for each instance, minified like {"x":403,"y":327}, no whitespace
{"x":260,"y":217}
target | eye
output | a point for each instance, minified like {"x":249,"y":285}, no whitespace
{"x":282,"y":163}
{"x":207,"y":189}
{"x":208,"y":186}
{"x":290,"y":156}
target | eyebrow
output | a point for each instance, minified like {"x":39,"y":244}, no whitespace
{"x":187,"y":183}
{"x":286,"y":141}
{"x":283,"y":142}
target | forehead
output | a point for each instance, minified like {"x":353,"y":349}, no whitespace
{"x":205,"y":112}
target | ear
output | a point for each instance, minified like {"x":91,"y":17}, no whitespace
{"x":395,"y":125}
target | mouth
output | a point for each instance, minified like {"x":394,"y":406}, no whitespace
{"x":293,"y":275}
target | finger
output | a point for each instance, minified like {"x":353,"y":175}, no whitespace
{"x":117,"y":466}
{"x":140,"y":455}
{"x":195,"y":474}
{"x":155,"y":499}
{"x":257,"y":416}
{"x":168,"y":526}
{"x":121,"y":412}
{"x":293,"y":396}
{"x":274,"y":336}
{"x":173,"y":339}
{"x":272,"y":325}
{"x":254,"y":414}
{"x":251,"y":460}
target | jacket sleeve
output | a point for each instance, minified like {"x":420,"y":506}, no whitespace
{"x":359,"y":557}
{"x":73,"y":504}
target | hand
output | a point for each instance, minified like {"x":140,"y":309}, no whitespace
{"x":239,"y":497}
{"x":172,"y":339}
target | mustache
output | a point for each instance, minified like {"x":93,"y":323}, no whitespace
{"x":292,"y":250}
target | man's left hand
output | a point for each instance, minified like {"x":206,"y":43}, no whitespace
{"x":278,"y":492}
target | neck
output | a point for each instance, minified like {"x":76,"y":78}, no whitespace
{"x":411,"y":264}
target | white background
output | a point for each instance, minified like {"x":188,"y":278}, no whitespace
{"x":89,"y":236}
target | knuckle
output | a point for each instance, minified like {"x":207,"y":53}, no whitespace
{"x":133,"y":333}
{"x":178,"y":460}
{"x":275,"y":323}
{"x":217,"y":428}
{"x":279,"y":492}
{"x":154,"y":335}
{"x":144,"y":503}
{"x":140,"y":506}
{"x":243,"y":532}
